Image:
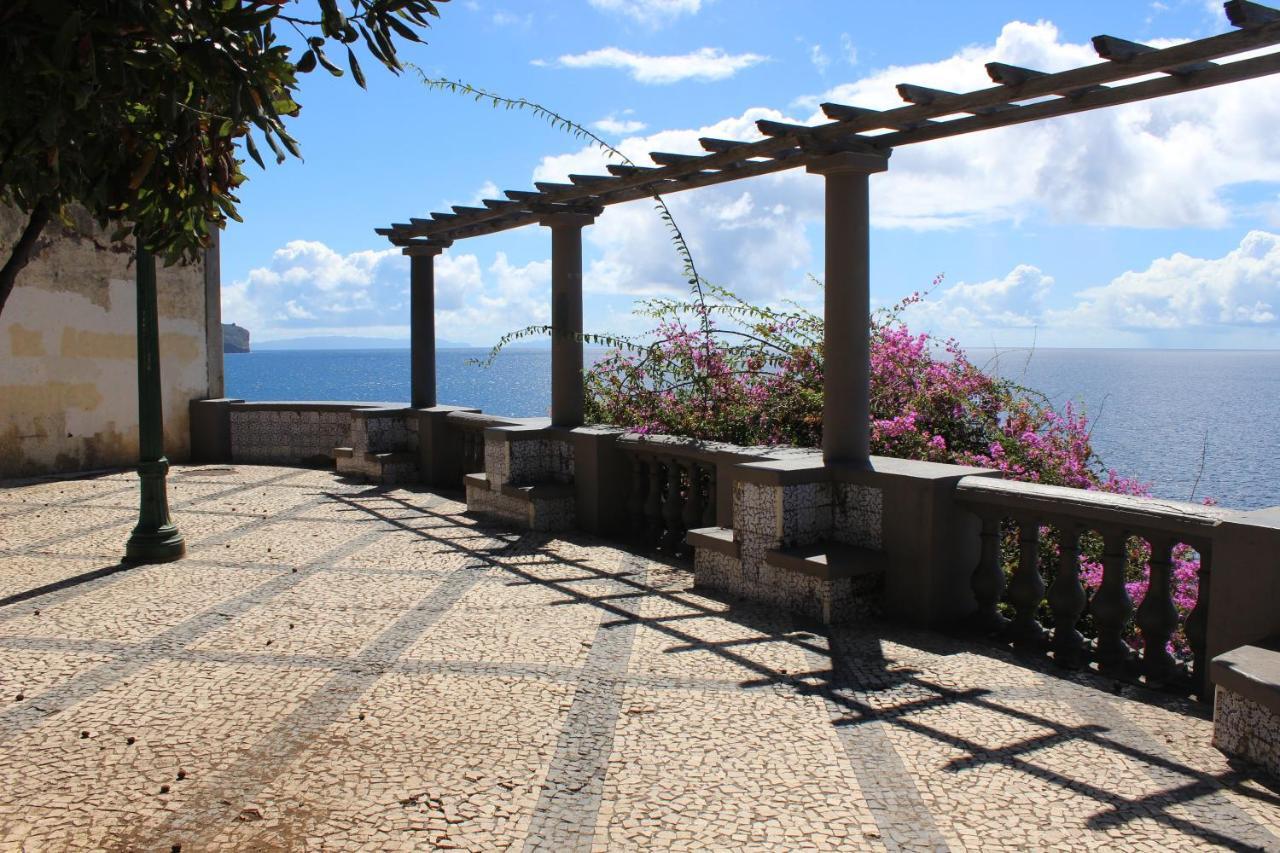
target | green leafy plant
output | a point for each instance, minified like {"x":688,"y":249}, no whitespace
{"x":133,"y":109}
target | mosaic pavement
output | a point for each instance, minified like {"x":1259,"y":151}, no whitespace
{"x":339,"y":667}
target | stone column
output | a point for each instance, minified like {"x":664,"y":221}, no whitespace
{"x":846,"y":407}
{"x":422,"y":323}
{"x":566,"y":316}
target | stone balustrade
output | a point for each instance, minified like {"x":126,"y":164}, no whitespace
{"x":1062,"y":518}
{"x":674,"y":487}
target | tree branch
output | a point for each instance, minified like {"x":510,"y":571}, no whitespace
{"x":24,"y":249}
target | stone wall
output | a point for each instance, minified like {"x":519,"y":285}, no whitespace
{"x":68,"y":363}
{"x":287,"y":434}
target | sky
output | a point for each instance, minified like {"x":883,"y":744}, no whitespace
{"x":1149,"y":225}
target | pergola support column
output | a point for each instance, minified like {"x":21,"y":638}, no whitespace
{"x":567,"y":401}
{"x":422,"y":322}
{"x":846,"y":406}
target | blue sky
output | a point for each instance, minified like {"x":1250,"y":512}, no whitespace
{"x":1155,"y":224}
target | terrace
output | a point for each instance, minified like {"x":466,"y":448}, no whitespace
{"x":409,"y":624}
{"x":348,"y":666}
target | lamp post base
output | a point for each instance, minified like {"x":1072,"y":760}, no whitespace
{"x":155,"y":539}
{"x":163,"y":545}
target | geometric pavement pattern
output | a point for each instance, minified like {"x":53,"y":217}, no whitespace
{"x":336,"y":666}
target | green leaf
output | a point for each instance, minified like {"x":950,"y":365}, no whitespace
{"x":252,"y":148}
{"x":355,"y":68}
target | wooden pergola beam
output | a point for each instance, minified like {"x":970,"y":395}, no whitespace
{"x":1123,"y":50}
{"x":787,"y":145}
{"x":1242,"y":13}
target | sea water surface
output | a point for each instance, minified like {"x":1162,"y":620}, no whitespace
{"x":1192,"y":423}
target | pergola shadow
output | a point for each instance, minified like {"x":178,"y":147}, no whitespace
{"x":853,"y":676}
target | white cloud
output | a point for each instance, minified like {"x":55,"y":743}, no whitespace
{"x":1240,"y":289}
{"x":1233,"y":300}
{"x":849,"y":49}
{"x":819,"y":58}
{"x":615,"y":126}
{"x":309,"y":289}
{"x":707,"y":63}
{"x":651,"y":13}
{"x":504,"y":18}
{"x":1015,"y":301}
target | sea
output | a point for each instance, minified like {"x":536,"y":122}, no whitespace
{"x":1190,"y":423}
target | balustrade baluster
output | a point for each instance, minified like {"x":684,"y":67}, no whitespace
{"x":653,"y":503}
{"x":1067,"y":598}
{"x":1157,"y":617}
{"x":1197,"y":626}
{"x":1026,"y":587}
{"x":1111,"y":605}
{"x":709,"y":506}
{"x":692,"y":516}
{"x":671,"y":509}
{"x":988,"y":578}
{"x":635,"y":501}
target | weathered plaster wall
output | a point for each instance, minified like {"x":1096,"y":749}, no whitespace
{"x":68,"y":369}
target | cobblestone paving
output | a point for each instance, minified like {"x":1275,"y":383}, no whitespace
{"x":336,"y":667}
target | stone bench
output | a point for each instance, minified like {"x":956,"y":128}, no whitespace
{"x":1246,"y":704}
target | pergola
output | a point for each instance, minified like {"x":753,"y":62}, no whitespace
{"x":856,"y":143}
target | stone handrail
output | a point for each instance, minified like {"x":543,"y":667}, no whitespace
{"x":1116,"y":518}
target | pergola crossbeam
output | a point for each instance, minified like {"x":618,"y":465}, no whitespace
{"x":930,"y":114}
{"x":1123,"y":50}
{"x":667,"y":158}
{"x":843,"y":112}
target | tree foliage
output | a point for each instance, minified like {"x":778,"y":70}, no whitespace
{"x":134,"y":108}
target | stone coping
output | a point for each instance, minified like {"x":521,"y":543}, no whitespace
{"x":804,"y":465}
{"x":533,"y":429}
{"x":711,"y":452}
{"x":1139,"y":514}
{"x":477,"y":419}
{"x":309,"y":406}
{"x":718,"y":539}
{"x":1251,"y":671}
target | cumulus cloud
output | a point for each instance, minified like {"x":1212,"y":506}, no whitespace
{"x":1178,"y":300}
{"x":706,"y":64}
{"x":310,"y":289}
{"x":650,"y":13}
{"x":1240,"y":290}
{"x":1014,"y":302}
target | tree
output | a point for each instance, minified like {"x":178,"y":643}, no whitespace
{"x":133,"y":108}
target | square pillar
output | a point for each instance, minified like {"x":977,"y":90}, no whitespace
{"x":567,"y":403}
{"x":422,"y":322}
{"x":846,"y":406}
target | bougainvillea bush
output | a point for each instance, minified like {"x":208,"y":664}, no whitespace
{"x":720,"y":368}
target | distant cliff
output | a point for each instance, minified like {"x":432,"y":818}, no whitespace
{"x":234,"y":338}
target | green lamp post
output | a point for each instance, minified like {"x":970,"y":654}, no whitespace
{"x":155,"y":539}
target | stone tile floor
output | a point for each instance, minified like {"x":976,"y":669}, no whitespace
{"x":336,"y":666}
